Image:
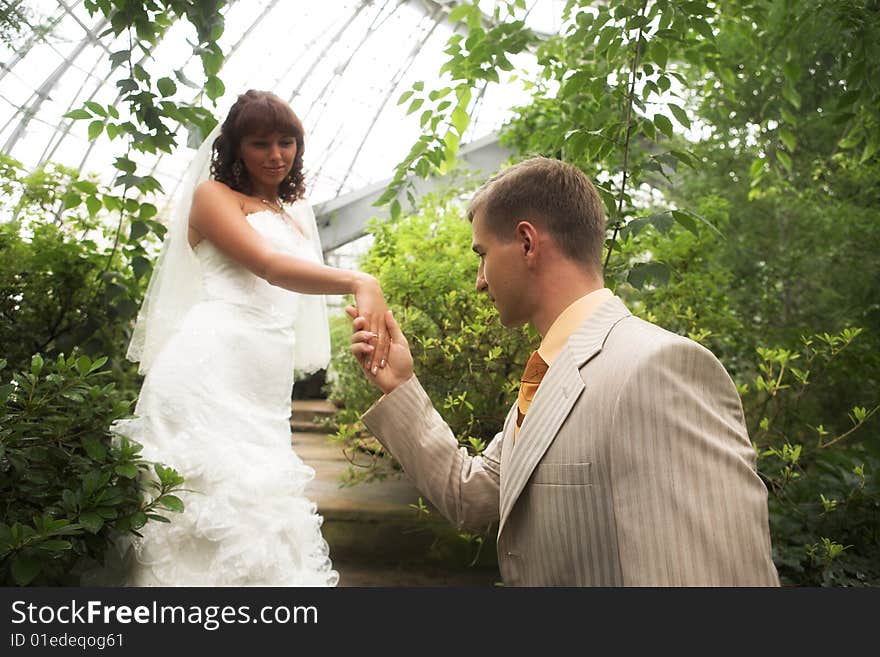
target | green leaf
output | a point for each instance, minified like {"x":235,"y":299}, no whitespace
{"x":870,"y":148}
{"x":91,"y":522}
{"x":460,"y":13}
{"x":656,"y":272}
{"x":659,"y":54}
{"x":97,"y":110}
{"x":93,"y":204}
{"x":663,"y":124}
{"x":460,"y":119}
{"x":119,"y":57}
{"x":784,"y":159}
{"x":680,"y":115}
{"x":147,"y":210}
{"x":83,"y":363}
{"x":36,"y":364}
{"x":787,"y":137}
{"x":78,"y":114}
{"x":138,"y":230}
{"x":214,"y":87}
{"x":854,"y":138}
{"x":212,"y":62}
{"x":756,"y":168}
{"x":405,"y":96}
{"x":25,"y":569}
{"x":94,"y":448}
{"x":701,"y":219}
{"x":791,"y":95}
{"x":127,"y":85}
{"x":127,"y":470}
{"x":140,"y":265}
{"x":138,"y":520}
{"x":172,"y":503}
{"x":95,"y":129}
{"x":157,"y":517}
{"x":166,"y":87}
{"x":71,"y":200}
{"x":685,"y":220}
{"x":123,"y":164}
{"x":703,"y":28}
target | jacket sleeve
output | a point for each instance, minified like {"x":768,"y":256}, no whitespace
{"x":464,"y":488}
{"x":690,"y":508}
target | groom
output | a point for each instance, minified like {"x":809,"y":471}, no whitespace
{"x":625,"y":460}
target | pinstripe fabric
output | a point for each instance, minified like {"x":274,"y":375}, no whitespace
{"x":632,"y":467}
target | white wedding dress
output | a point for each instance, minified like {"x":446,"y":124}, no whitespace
{"x":215,"y":405}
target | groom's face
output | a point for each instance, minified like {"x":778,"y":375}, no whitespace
{"x":502,"y":273}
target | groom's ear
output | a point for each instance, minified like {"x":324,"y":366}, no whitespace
{"x":527,"y":236}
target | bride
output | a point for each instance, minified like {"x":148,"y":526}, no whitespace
{"x":232,"y":309}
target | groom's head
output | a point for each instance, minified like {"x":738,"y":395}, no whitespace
{"x":530,"y":218}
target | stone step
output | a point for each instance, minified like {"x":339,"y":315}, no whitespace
{"x":375,"y":526}
{"x":312,"y":415}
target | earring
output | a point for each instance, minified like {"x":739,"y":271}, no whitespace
{"x":236,"y":173}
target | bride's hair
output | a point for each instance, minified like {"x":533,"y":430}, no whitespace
{"x":257,"y":113}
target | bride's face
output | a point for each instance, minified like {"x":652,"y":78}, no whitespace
{"x":268,"y":159}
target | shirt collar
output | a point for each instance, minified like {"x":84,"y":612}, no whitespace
{"x":569,"y":321}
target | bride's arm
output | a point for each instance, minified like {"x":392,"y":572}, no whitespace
{"x":218,"y":217}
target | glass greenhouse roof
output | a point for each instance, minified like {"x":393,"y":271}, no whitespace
{"x":342,"y":64}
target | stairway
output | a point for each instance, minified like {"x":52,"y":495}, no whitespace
{"x":376,"y":538}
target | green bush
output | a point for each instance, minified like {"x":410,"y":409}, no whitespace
{"x":467,"y":362}
{"x":65,"y":282}
{"x":68,"y":490}
{"x":823,"y":476}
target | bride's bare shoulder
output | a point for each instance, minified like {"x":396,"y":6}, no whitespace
{"x":211,"y":197}
{"x":215,"y":191}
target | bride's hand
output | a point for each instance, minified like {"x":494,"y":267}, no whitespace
{"x":371,"y":305}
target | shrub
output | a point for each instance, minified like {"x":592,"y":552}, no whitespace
{"x":823,"y":476}
{"x":68,"y":490}
{"x":65,"y":282}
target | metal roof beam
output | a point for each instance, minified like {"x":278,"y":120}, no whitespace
{"x":344,"y":219}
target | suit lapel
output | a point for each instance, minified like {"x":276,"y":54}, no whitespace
{"x":556,"y":396}
{"x":507,"y":442}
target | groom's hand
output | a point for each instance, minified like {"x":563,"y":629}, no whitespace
{"x":399,"y":366}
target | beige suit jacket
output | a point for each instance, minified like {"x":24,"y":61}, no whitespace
{"x":633,"y":466}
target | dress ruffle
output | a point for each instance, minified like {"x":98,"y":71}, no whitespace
{"x":247,"y":521}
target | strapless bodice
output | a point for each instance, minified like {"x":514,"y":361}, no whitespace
{"x":225,"y":280}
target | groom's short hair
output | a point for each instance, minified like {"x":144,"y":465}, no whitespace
{"x":551,"y":194}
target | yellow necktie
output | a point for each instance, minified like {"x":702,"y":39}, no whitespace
{"x":535,"y":370}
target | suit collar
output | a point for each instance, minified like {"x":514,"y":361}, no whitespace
{"x":556,"y":396}
{"x":587,"y":341}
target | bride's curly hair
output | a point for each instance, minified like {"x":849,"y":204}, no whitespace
{"x":257,"y":113}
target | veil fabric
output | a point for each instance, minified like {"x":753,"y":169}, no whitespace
{"x":176,"y":283}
